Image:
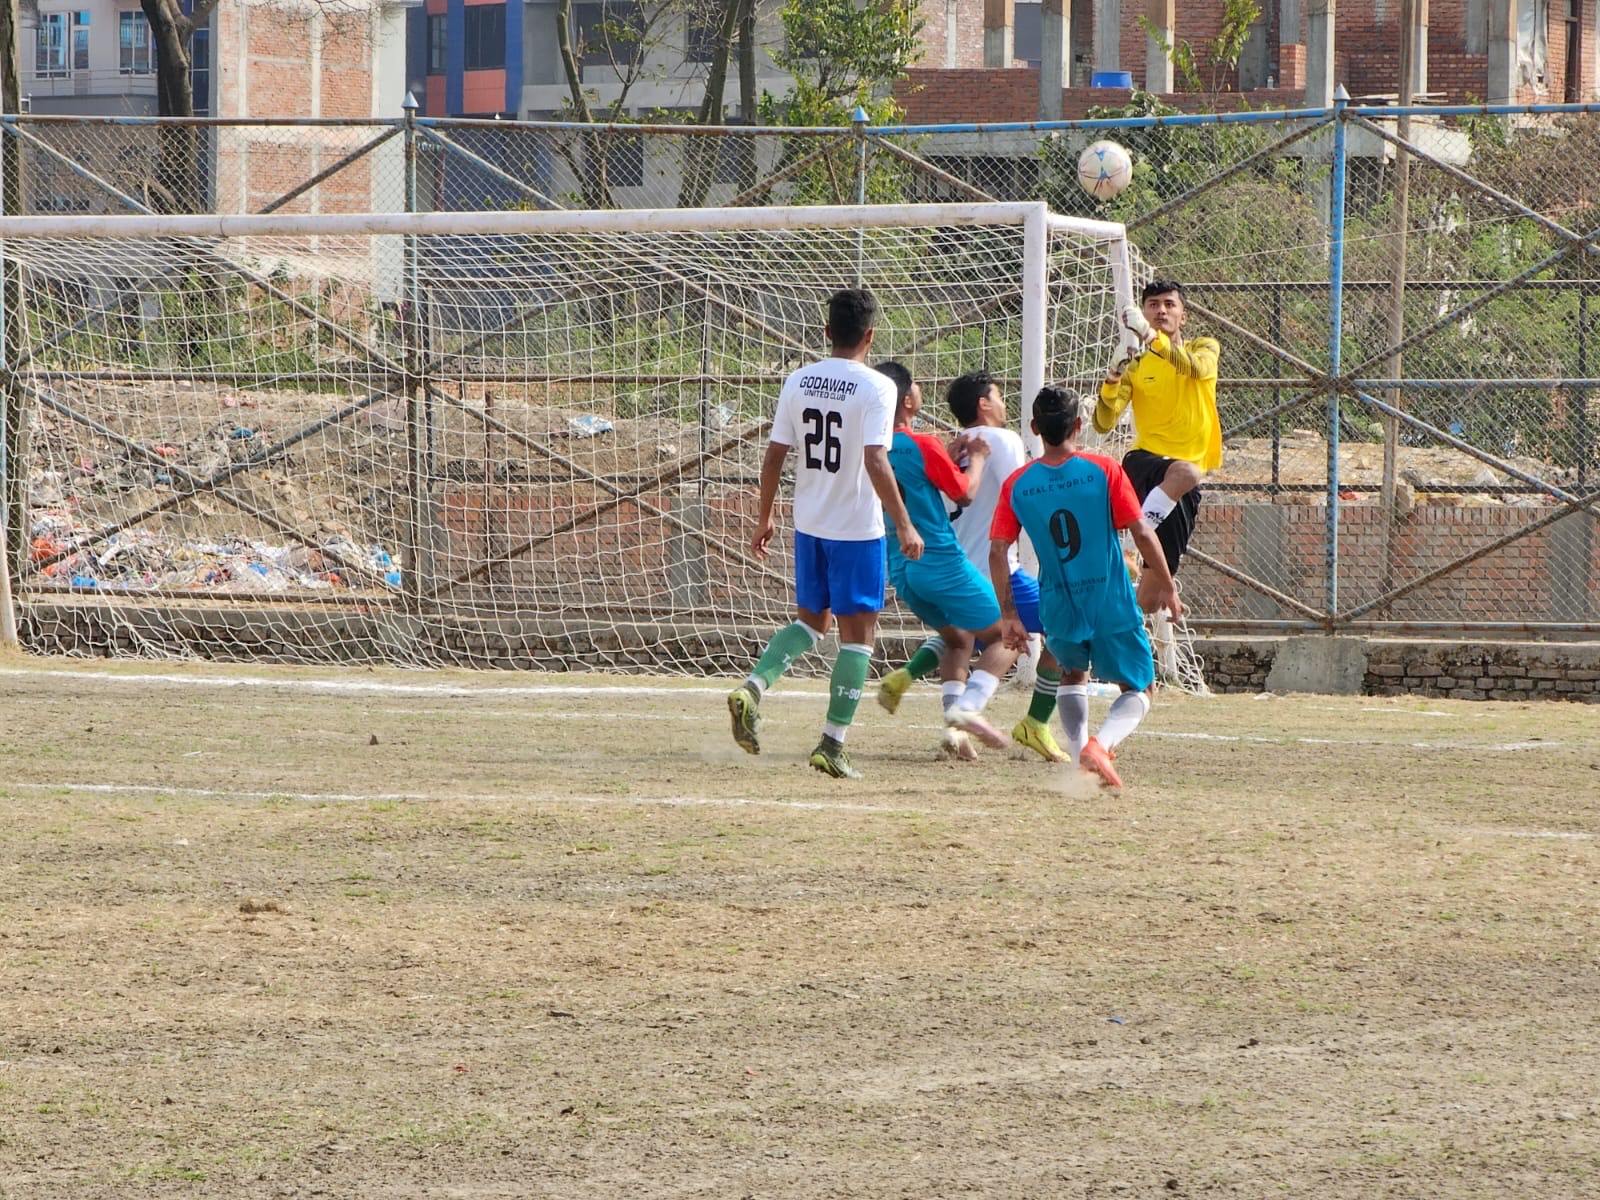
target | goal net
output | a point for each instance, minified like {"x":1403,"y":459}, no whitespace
{"x":508,"y":439}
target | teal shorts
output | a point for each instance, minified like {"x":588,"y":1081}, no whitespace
{"x":945,"y":591}
{"x":1120,"y":657}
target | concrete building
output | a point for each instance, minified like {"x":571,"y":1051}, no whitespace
{"x":1500,"y":51}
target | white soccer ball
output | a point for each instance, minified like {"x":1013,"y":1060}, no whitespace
{"x":1104,"y":169}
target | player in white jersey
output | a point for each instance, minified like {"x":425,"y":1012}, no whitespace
{"x":975,"y":401}
{"x":839,"y":415}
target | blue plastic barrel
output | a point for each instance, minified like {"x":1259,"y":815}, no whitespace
{"x":1111,"y":79}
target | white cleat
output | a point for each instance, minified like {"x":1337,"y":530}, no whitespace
{"x":954,"y":743}
{"x":973,"y":723}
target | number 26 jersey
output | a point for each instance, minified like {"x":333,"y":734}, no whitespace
{"x":829,"y":413}
{"x":1072,"y":512}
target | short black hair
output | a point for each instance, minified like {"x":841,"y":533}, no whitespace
{"x":1055,"y":412}
{"x":964,"y":394}
{"x":852,"y":312}
{"x":1160,"y":287}
{"x":901,"y":377}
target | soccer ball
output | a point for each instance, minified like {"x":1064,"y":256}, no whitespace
{"x":1104,"y":169}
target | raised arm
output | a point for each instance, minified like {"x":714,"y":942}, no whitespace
{"x":1195,"y":358}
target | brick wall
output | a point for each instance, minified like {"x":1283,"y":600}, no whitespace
{"x":935,"y":96}
{"x":968,"y":33}
{"x":1366,"y":62}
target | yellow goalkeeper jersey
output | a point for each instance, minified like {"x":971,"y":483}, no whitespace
{"x":1174,"y":394}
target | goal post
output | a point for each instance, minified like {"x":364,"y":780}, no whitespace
{"x":507,"y":438}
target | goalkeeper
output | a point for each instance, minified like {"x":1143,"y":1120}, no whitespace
{"x":1171,"y":382}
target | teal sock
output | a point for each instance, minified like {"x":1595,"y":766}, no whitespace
{"x":844,"y":687}
{"x":926,"y":658}
{"x":1043,"y":706}
{"x":788,"y":644}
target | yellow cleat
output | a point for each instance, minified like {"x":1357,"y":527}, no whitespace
{"x":829,"y":758}
{"x":892,"y":687}
{"x":1036,"y":736}
{"x":744,"y":707}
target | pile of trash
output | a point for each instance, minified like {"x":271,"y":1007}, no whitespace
{"x":147,"y":560}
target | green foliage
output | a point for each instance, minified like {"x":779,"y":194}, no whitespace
{"x":842,"y":56}
{"x":1222,"y":52}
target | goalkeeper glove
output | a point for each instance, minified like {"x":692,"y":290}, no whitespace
{"x":1124,"y":358}
{"x":1133,"y":321}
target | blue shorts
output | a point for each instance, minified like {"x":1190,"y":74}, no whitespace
{"x":945,"y":592}
{"x":845,"y":577}
{"x":1025,"y":595}
{"x":1120,"y":657}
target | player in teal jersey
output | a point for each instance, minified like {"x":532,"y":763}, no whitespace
{"x":1072,"y":505}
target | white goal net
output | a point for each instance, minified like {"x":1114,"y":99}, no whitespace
{"x":506,"y":439}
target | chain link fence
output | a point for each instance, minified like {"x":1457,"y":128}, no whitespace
{"x":1406,"y":301}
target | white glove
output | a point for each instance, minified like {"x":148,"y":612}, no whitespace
{"x":1124,"y":358}
{"x":1133,"y":321}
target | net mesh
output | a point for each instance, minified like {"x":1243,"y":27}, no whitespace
{"x":513,"y":449}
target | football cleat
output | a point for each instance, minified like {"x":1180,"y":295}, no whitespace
{"x":1036,"y":736}
{"x":954,"y":743}
{"x":973,"y":723}
{"x":744,"y":707}
{"x":891,"y":687}
{"x":1096,"y":759}
{"x":829,"y":758}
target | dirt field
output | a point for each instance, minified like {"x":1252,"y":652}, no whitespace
{"x":381,"y":934}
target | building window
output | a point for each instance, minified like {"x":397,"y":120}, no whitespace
{"x":485,"y":40}
{"x":134,"y":56}
{"x":700,"y":29}
{"x":436,"y":44}
{"x":80,"y":41}
{"x":625,"y":160}
{"x":50,"y":46}
{"x":611,"y":31}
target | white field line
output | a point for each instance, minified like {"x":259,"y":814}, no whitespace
{"x":621,"y":687}
{"x":1265,"y":740}
{"x":133,"y":789}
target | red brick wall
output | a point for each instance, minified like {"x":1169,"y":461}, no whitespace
{"x":969,"y":33}
{"x":936,"y":97}
{"x":1366,"y":57}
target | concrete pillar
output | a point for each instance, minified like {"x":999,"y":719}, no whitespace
{"x":1162,"y":15}
{"x":1319,"y":53}
{"x":1107,"y":36}
{"x":1291,"y":71}
{"x":999,"y":23}
{"x":1501,"y":85}
{"x":952,"y":45}
{"x":1055,"y":42}
{"x":1419,"y":47}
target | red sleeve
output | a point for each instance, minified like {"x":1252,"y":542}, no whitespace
{"x":1125,"y":506}
{"x":941,"y":469}
{"x":1005,"y":526}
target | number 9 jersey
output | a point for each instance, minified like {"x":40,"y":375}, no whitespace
{"x":830,"y":412}
{"x":1072,"y":511}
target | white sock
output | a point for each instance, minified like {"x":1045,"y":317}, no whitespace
{"x":950,"y":691}
{"x":1126,"y":711}
{"x":981,"y":686}
{"x":836,"y":732}
{"x":1072,"y":705}
{"x":1157,"y":505}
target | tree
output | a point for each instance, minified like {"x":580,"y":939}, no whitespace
{"x":1222,"y":51}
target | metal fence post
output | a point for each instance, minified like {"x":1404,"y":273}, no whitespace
{"x":858,"y":124}
{"x":1336,"y":201}
{"x":411,"y":341}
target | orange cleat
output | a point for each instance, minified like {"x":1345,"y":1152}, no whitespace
{"x":1096,"y":758}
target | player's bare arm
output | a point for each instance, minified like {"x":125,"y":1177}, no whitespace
{"x":1162,"y":591}
{"x":876,"y":460}
{"x":771,"y":477}
{"x":1012,"y":632}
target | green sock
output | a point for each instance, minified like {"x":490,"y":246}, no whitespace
{"x":926,"y":658}
{"x":844,"y":687}
{"x":1044,"y":695}
{"x":788,"y":644}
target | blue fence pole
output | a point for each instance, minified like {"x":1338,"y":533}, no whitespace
{"x":1336,"y":189}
